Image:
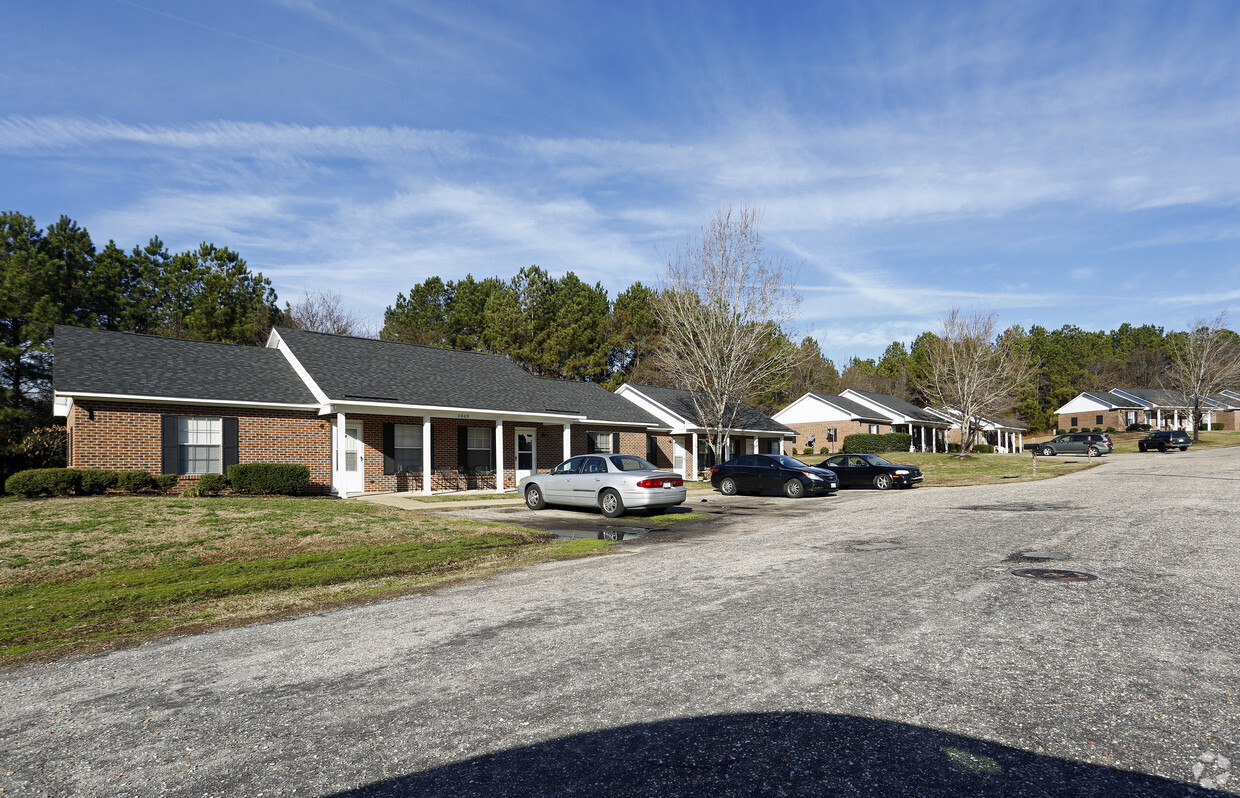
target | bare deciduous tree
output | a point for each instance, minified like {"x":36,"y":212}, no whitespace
{"x":323,"y":311}
{"x":722,"y":303}
{"x":975,"y":370}
{"x":1204,"y":361}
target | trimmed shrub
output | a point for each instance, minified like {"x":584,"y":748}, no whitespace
{"x":953,"y":448}
{"x":808,"y":450}
{"x":1111,"y":429}
{"x":165,"y":482}
{"x":1137,"y":428}
{"x":211,"y":484}
{"x":1216,"y":425}
{"x":1097,"y":429}
{"x":96,"y":480}
{"x":134,"y":481}
{"x":288,"y":479}
{"x":1073,"y":429}
{"x":864,"y":443}
{"x":824,"y":450}
{"x":43,"y":482}
{"x":983,"y":448}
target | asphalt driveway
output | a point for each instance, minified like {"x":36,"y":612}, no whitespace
{"x":878,"y":645}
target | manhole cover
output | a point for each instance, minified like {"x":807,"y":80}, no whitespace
{"x":875,"y":546}
{"x":1054,"y":574}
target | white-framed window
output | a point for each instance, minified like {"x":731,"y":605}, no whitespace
{"x":873,"y":429}
{"x":407,"y":447}
{"x":478,"y":441}
{"x":600,"y":442}
{"x":200,"y":442}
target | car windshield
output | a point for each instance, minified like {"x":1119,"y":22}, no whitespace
{"x":788,"y":462}
{"x":628,"y":462}
{"x":874,"y":459}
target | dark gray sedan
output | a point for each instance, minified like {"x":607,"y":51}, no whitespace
{"x":611,"y":482}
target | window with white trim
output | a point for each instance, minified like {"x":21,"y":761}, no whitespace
{"x":478,"y":443}
{"x":407,"y":447}
{"x":200,"y":444}
{"x":873,"y":429}
{"x":600,"y":442}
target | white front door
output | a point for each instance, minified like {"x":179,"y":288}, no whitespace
{"x":678,"y":456}
{"x":350,"y":471}
{"x":527,"y":452}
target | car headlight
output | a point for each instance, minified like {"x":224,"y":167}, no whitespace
{"x":812,"y":476}
{"x":903,"y":472}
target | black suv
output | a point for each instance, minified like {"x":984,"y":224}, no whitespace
{"x":1162,"y":440}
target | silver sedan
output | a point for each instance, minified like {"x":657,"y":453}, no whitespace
{"x":611,"y":482}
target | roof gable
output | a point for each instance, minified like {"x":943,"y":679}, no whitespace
{"x":679,"y":402}
{"x":901,"y":410}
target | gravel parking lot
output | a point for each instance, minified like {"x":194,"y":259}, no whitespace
{"x":866,"y":644}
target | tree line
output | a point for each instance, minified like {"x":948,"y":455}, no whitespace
{"x":552,"y":326}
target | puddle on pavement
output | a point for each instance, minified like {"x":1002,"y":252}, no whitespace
{"x":1022,"y":507}
{"x":605,"y":533}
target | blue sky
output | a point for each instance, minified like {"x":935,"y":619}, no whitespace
{"x":1060,"y":163}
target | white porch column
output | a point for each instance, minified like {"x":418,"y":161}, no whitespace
{"x":1175,"y":418}
{"x":1159,"y":411}
{"x":697,"y":467}
{"x":934,"y":441}
{"x":1020,"y":442}
{"x":568,"y":440}
{"x":426,"y":455}
{"x":499,"y":455}
{"x":338,"y":460}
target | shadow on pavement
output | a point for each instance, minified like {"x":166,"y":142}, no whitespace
{"x":795,"y":754}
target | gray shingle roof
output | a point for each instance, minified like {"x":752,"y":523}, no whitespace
{"x":858,"y":411}
{"x":370,"y":370}
{"x":906,"y":409}
{"x":125,"y":364}
{"x":680,"y":402}
{"x":1112,"y":400}
{"x":1159,"y":397}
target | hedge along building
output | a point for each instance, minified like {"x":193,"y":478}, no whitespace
{"x":362,"y":414}
{"x":684,"y":444}
{"x":823,"y":420}
{"x":928,"y":431}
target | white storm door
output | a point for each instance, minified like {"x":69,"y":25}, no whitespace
{"x":678,"y":456}
{"x":350,"y":465}
{"x":527,"y":452}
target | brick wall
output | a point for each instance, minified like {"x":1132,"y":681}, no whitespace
{"x":819,"y":430}
{"x":1110,"y":418}
{"x":124,"y":436}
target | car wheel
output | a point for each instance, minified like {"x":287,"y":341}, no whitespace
{"x":883,"y":481}
{"x":1183,"y":448}
{"x":534,"y":498}
{"x":1141,"y":447}
{"x":611,"y":503}
{"x":1047,"y":451}
{"x":727,"y":486}
{"x":793,"y":489}
{"x":1092,"y":451}
{"x":1162,"y":447}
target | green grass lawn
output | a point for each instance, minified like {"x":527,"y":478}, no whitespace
{"x":85,"y":573}
{"x":946,"y":470}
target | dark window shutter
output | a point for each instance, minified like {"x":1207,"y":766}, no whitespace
{"x":171,"y":452}
{"x":494,"y":435}
{"x":389,"y":448}
{"x":615,"y":443}
{"x":589,"y":443}
{"x":462,"y":448}
{"x":231,"y":455}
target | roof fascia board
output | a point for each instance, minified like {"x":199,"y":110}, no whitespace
{"x":393,"y":409}
{"x":274,"y":341}
{"x":674,"y":419}
{"x":877,"y":407}
{"x":181,"y":400}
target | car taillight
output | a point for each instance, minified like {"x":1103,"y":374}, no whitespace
{"x":661,"y":482}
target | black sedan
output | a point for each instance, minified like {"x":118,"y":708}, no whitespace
{"x":870,"y":469}
{"x":756,"y":473}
